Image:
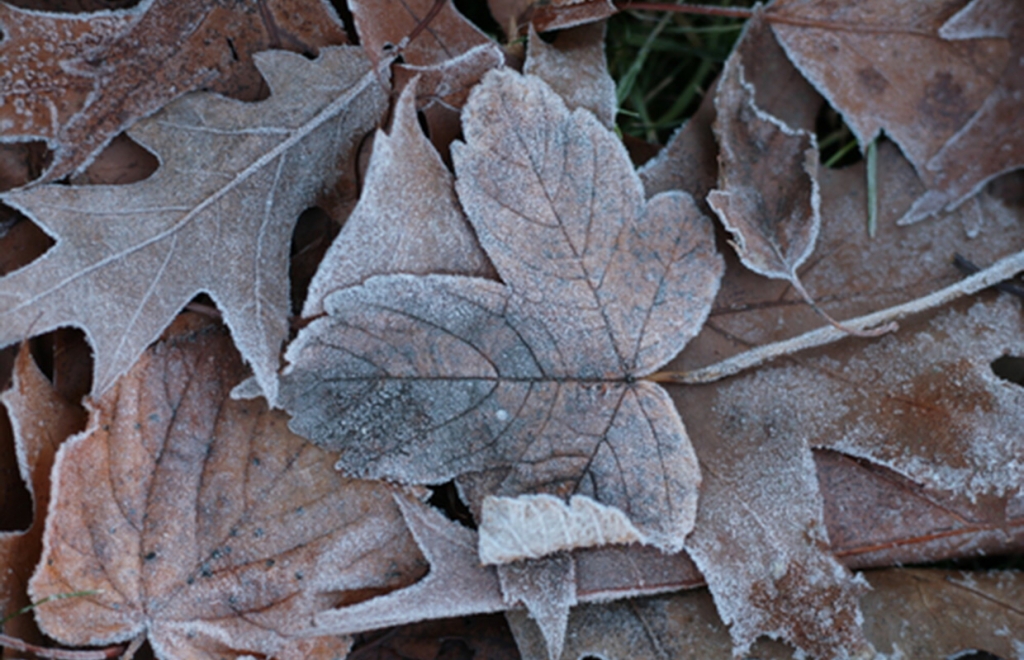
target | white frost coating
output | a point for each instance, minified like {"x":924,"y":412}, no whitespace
{"x":532,"y":526}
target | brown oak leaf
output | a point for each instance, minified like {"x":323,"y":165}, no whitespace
{"x":216,"y":217}
{"x":886,"y":67}
{"x":420,"y":379}
{"x":203,"y":523}
{"x":78,"y":80}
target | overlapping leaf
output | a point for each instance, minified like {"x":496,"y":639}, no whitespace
{"x":216,"y":217}
{"x":77,"y":80}
{"x":419,"y":379}
{"x":213,"y":530}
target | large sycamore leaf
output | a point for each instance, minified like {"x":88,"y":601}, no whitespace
{"x":77,"y":80}
{"x":203,"y":523}
{"x":420,"y":379}
{"x":216,"y":217}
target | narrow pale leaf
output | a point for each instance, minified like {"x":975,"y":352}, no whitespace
{"x":407,"y":219}
{"x":217,"y":217}
{"x":547,"y":589}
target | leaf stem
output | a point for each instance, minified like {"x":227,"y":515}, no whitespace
{"x":1002,"y":270}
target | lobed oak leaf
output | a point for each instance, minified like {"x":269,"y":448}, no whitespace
{"x":419,"y":379}
{"x":216,"y":217}
{"x":202,"y":523}
{"x":887,"y":68}
{"x":78,"y":80}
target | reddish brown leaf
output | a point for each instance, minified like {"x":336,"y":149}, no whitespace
{"x":78,"y":80}
{"x":41,"y":419}
{"x":532,"y":376}
{"x":883,"y":65}
{"x":989,"y":144}
{"x":562,"y":14}
{"x":212,"y":530}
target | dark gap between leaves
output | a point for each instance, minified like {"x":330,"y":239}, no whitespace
{"x":21,"y":240}
{"x":974,"y":654}
{"x":479,"y":15}
{"x":73,"y":6}
{"x":123,"y":161}
{"x":313,"y":234}
{"x":341,"y":7}
{"x":22,"y":162}
{"x":837,"y":145}
{"x":1010,"y":368}
{"x":446,"y":499}
{"x":15,"y":500}
{"x":65,"y":358}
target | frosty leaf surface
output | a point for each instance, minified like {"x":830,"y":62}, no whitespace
{"x":760,"y":538}
{"x":216,"y":217}
{"x":212,"y":530}
{"x":77,"y":80}
{"x":456,"y":585}
{"x":768,"y":195}
{"x":420,"y":379}
{"x":407,"y":219}
{"x":575,"y":67}
{"x":988,"y":144}
{"x":888,"y":68}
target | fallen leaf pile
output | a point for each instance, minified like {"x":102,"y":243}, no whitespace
{"x":533,"y":391}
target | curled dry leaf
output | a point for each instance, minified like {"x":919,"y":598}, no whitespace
{"x":78,"y":80}
{"x":41,"y":420}
{"x":217,"y":217}
{"x":419,"y":379}
{"x":202,"y":522}
{"x":888,"y":68}
{"x":768,"y":176}
{"x":407,"y":219}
